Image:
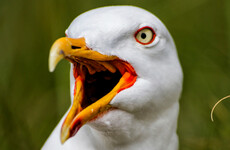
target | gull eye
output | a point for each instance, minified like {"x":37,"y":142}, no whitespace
{"x":145,"y":35}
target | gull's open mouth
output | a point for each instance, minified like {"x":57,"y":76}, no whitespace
{"x":98,"y":79}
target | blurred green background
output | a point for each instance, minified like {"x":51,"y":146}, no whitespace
{"x":32,"y":100}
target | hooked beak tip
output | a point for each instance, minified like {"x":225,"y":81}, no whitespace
{"x":55,"y":56}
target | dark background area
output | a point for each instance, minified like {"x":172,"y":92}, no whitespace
{"x":32,"y":100}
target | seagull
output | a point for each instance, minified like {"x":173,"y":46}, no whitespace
{"x":125,"y":82}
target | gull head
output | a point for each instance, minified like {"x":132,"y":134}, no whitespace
{"x":124,"y":68}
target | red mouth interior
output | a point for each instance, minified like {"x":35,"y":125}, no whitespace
{"x":99,"y":80}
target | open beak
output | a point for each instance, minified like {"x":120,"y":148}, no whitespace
{"x":98,"y":78}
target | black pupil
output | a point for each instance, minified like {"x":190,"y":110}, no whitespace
{"x":143,"y":35}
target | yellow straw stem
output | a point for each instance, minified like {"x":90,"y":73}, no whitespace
{"x":213,"y":108}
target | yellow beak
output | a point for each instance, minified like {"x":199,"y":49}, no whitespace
{"x":71,"y":48}
{"x":83,"y":58}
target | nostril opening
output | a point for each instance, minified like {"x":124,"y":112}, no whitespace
{"x":75,"y":47}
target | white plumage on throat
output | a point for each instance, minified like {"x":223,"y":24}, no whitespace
{"x":147,"y":112}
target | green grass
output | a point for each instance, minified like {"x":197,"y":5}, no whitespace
{"x":32,"y":100}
